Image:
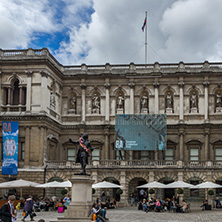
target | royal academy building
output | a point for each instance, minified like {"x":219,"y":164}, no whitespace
{"x":52,"y":103}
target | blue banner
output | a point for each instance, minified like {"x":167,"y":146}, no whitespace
{"x":141,"y":131}
{"x":10,"y":148}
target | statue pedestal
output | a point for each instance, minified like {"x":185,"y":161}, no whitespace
{"x":144,"y":110}
{"x":193,"y":110}
{"x":218,"y":109}
{"x":169,"y":110}
{"x":81,"y":201}
{"x":72,"y":111}
{"x":119,"y":111}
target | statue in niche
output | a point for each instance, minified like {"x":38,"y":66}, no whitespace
{"x":72,"y":103}
{"x":193,"y":100}
{"x":96,"y":104}
{"x":120,"y":102}
{"x":144,"y":101}
{"x":218,"y":100}
{"x":169,"y":100}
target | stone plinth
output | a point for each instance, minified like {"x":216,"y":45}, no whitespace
{"x":119,"y":111}
{"x":81,"y":201}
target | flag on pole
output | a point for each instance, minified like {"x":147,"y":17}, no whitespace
{"x":144,"y":25}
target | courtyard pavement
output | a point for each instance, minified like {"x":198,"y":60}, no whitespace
{"x":131,"y":214}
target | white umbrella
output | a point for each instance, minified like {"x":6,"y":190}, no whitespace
{"x":105,"y":184}
{"x":153,"y":184}
{"x":66,"y":184}
{"x":206,"y":185}
{"x":18,"y":183}
{"x":178,"y":184}
{"x":50,"y":185}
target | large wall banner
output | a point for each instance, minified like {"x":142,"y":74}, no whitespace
{"x":10,"y":148}
{"x":141,"y":131}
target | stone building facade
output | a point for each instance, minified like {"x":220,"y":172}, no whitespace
{"x":53,"y":102}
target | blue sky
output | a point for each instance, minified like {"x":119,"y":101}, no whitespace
{"x":101,"y":31}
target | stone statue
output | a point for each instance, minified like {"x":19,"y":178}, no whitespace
{"x":218,"y":100}
{"x":169,"y":100}
{"x":96,"y":104}
{"x":144,"y":101}
{"x":120,"y":102}
{"x":72,"y":104}
{"x":193,"y":100}
{"x":84,"y":151}
{"x":52,"y":100}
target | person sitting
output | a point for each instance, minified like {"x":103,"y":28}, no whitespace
{"x":102,"y":210}
{"x":217,"y":203}
{"x":152,"y":204}
{"x":183,"y":206}
{"x":158,"y":206}
{"x":204,"y":205}
{"x":173,"y":206}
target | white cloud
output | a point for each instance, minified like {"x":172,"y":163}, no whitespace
{"x":20,"y":19}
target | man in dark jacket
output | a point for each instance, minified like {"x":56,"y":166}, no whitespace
{"x":85,"y":149}
{"x":8,"y":210}
{"x":29,"y":205}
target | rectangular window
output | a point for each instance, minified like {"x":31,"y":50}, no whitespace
{"x":144,"y":155}
{"x":71,"y":154}
{"x":96,"y":154}
{"x":22,"y":151}
{"x":194,"y":154}
{"x":218,"y":154}
{"x":119,"y":154}
{"x":169,"y":154}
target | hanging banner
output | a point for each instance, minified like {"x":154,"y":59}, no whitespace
{"x":141,"y":131}
{"x":10,"y":148}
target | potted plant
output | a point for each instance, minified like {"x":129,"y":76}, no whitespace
{"x":180,"y":191}
{"x":151,"y":191}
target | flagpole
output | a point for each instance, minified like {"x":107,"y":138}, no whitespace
{"x":146,"y":40}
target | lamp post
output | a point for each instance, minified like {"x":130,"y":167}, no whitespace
{"x":44,"y":179}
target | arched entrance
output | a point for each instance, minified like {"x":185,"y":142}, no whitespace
{"x":167,"y":192}
{"x":194,"y":195}
{"x":219,"y":190}
{"x":109,"y":194}
{"x":55,"y":191}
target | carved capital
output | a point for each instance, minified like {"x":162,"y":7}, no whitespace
{"x":156,"y":85}
{"x":131,"y":85}
{"x":29,"y":73}
{"x":83,"y":86}
{"x":107,"y":85}
{"x":44,"y":74}
{"x":206,"y":84}
{"x":181,"y":84}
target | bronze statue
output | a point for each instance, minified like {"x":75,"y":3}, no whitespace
{"x":85,"y":150}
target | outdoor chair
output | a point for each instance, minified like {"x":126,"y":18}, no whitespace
{"x":188,"y":210}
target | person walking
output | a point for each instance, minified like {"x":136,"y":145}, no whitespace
{"x":29,"y":206}
{"x":8,"y":210}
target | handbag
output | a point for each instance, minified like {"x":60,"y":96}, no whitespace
{"x":33,"y":214}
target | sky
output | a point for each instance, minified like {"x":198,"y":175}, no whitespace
{"x":96,"y":32}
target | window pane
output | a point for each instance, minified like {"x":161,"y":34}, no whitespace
{"x":71,"y":154}
{"x":118,"y":154}
{"x":144,"y":155}
{"x":218,"y":152}
{"x":169,"y":158}
{"x":169,"y":152}
{"x":194,"y":152}
{"x":218,"y":158}
{"x":194,"y":158}
{"x":96,"y":154}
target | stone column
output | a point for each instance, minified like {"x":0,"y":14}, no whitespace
{"x":131,"y":85}
{"x":106,"y":151}
{"x":156,"y":96}
{"x":44,"y":92}
{"x":180,"y":178}
{"x":206,"y":144}
{"x":181,"y":85}
{"x":9,"y":102}
{"x":27,"y":146}
{"x":83,"y":87}
{"x":206,"y":86}
{"x":181,"y":134}
{"x":41,"y":146}
{"x":107,"y":86}
{"x":124,"y":195}
{"x":28,"y":91}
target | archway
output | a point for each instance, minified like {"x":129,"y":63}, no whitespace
{"x":168,"y":192}
{"x":219,"y":190}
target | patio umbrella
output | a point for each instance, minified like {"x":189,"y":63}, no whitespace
{"x":50,"y":185}
{"x":153,"y":184}
{"x":18,"y":184}
{"x":206,"y":185}
{"x":178,"y":184}
{"x":105,"y":184}
{"x":66,"y":184}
